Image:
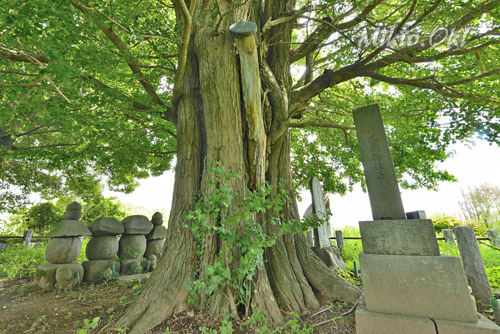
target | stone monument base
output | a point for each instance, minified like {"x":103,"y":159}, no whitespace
{"x":368,"y":322}
{"x":49,"y":275}
{"x":421,"y":286}
{"x":94,"y":268}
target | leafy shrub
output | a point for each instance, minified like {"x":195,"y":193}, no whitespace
{"x":442,"y":221}
{"x":352,"y":247}
{"x":19,"y":262}
{"x":236,"y":229}
{"x":40,"y":217}
{"x":82,"y":257}
{"x":491,"y":259}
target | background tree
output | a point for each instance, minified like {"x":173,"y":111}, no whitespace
{"x":40,"y":217}
{"x":482,"y":204}
{"x":122,"y":86}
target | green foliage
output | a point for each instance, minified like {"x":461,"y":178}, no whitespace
{"x":73,"y":113}
{"x":45,"y":216}
{"x":136,"y":290}
{"x":39,"y":217}
{"x":82,"y":257}
{"x":95,"y":205}
{"x":239,"y":230}
{"x":64,"y":143}
{"x":87,"y":325}
{"x":18,"y":262}
{"x":259,"y":323}
{"x":352,"y":248}
{"x":102,"y":207}
{"x":442,"y":221}
{"x":491,"y":260}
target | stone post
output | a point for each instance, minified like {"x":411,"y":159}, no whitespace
{"x":339,"y":236}
{"x":493,"y":237}
{"x":28,"y":234}
{"x":473,"y":263}
{"x":448,"y":236}
{"x":319,"y":209}
{"x":420,"y":214}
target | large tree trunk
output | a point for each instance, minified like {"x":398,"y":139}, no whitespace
{"x":212,"y":126}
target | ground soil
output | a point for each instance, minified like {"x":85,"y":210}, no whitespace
{"x":27,"y":310}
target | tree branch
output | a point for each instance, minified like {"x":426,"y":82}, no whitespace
{"x":425,"y":82}
{"x":182,"y":59}
{"x":324,"y":30}
{"x":329,"y":78}
{"x":450,"y":52}
{"x":149,"y":152}
{"x":15,"y":148}
{"x":318,"y":125}
{"x":131,"y":61}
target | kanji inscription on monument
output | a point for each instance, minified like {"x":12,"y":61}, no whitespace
{"x":383,"y":189}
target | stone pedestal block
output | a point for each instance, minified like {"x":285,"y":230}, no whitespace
{"x":368,"y":322}
{"x":422,"y":286}
{"x":419,"y":214}
{"x":102,"y":248}
{"x":94,"y":268}
{"x":154,"y":247}
{"x":483,"y":326}
{"x":132,"y":246}
{"x":63,"y":250}
{"x":399,"y":237}
{"x":49,"y":276}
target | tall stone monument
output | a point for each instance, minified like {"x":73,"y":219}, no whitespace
{"x":102,"y":248}
{"x":132,"y":244}
{"x":408,"y":286}
{"x":62,"y":251}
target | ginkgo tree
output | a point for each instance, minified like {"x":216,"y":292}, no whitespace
{"x":118,"y":88}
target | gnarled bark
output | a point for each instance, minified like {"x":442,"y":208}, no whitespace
{"x":213,"y":125}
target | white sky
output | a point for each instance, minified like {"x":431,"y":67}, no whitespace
{"x":472,"y":166}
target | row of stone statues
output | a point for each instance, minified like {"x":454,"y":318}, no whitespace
{"x":138,"y":248}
